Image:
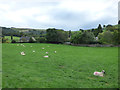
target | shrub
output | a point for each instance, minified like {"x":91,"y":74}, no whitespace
{"x":83,"y":38}
{"x":13,"y":41}
{"x":41,"y":39}
{"x":106,"y":37}
{"x":4,"y":40}
{"x":56,"y":35}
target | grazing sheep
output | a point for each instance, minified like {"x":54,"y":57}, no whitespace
{"x":55,"y":51}
{"x":46,"y":52}
{"x":43,"y":48}
{"x":101,"y":74}
{"x":30,"y":46}
{"x":33,"y":50}
{"x":46,"y":56}
{"x":22,"y":53}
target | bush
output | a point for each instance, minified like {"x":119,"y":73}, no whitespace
{"x":4,"y":40}
{"x":116,"y":39}
{"x":13,"y":41}
{"x":41,"y":40}
{"x":106,"y":37}
{"x":83,"y":38}
{"x":56,"y":35}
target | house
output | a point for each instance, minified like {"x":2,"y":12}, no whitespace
{"x":26,"y":39}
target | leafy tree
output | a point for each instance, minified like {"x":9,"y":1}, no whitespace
{"x":119,"y":22}
{"x":106,"y":37}
{"x":92,"y":30}
{"x":55,"y":35}
{"x":99,"y":29}
{"x":11,"y":37}
{"x":70,"y":33}
{"x":116,"y":39}
{"x":76,"y":38}
{"x":21,"y":34}
{"x":110,"y":28}
{"x":83,"y":38}
{"x":95,"y":32}
{"x":41,"y":39}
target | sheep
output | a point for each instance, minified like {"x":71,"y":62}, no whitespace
{"x":55,"y":51}
{"x":46,"y":56}
{"x":101,"y":74}
{"x":43,"y":48}
{"x":30,"y":46}
{"x":33,"y":50}
{"x":22,"y":53}
{"x":46,"y":52}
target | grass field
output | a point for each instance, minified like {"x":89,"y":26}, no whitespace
{"x":14,"y":38}
{"x":70,"y":67}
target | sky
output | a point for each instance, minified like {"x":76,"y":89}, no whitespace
{"x":61,"y":14}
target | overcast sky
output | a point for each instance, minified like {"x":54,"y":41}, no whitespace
{"x":63,"y":14}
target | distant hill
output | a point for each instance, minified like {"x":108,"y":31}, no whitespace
{"x":18,"y":31}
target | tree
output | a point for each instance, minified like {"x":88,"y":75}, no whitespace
{"x":70,"y":33}
{"x":104,"y":26}
{"x":119,"y":22}
{"x":55,"y":35}
{"x":95,"y":32}
{"x":41,"y":39}
{"x":83,"y":38}
{"x":116,"y":39}
{"x":92,"y":30}
{"x":110,"y":28}
{"x":99,"y":29}
{"x":11,"y":37}
{"x":106,"y":37}
{"x":21,"y":34}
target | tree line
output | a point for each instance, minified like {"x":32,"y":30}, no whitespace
{"x":101,"y":35}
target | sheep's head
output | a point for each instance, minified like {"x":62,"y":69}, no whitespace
{"x":103,"y":71}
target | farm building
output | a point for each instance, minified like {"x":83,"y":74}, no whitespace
{"x":26,"y":39}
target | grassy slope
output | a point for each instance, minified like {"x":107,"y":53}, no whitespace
{"x":71,"y":66}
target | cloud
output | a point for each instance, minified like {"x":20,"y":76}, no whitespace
{"x":65,"y":14}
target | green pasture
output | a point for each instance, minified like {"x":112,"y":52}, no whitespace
{"x":70,"y":67}
{"x":14,"y":38}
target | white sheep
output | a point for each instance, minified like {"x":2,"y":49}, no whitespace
{"x":33,"y":50}
{"x":46,"y":52}
{"x":43,"y":48}
{"x":46,"y":56}
{"x":55,"y":51}
{"x":30,"y":46}
{"x":22,"y":53}
{"x":101,"y":74}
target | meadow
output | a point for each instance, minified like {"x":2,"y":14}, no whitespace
{"x":14,"y":38}
{"x":69,"y":67}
